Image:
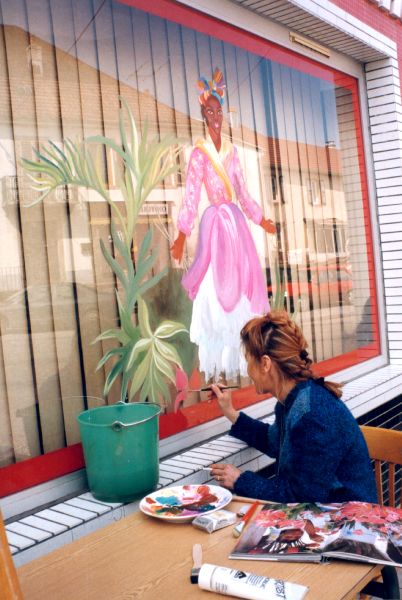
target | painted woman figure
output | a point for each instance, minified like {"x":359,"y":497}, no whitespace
{"x":225,"y":280}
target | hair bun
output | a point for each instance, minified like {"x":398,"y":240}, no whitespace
{"x":303,"y":354}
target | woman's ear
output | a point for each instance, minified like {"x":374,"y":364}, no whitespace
{"x":266,"y":363}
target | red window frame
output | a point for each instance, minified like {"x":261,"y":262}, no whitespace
{"x":54,"y":464}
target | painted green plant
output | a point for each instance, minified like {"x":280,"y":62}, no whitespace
{"x":144,"y":360}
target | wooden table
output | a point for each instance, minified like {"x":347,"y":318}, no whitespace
{"x":146,"y":558}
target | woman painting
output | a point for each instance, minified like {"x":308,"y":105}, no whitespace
{"x":320,"y":451}
{"x":225,"y":281}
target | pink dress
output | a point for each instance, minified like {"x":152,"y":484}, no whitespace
{"x":226,"y":275}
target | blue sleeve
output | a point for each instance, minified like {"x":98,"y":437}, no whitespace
{"x":257,"y":434}
{"x":307,"y":476}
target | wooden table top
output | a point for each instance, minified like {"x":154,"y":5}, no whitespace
{"x":147,"y":558}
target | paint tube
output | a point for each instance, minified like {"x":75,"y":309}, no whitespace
{"x":215,"y":520}
{"x":232,"y":582}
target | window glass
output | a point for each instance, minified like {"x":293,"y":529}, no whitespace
{"x":294,"y":128}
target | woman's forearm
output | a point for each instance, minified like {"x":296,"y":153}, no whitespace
{"x":255,"y":433}
{"x":232,"y":414}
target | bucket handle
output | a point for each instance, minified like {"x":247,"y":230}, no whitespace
{"x":118,"y":425}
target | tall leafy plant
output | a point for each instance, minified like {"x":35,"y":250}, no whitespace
{"x":144,"y":359}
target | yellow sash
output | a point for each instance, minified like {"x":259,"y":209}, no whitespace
{"x":208,"y":147}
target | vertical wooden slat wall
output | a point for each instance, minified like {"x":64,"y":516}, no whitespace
{"x":17,"y":349}
{"x":72,"y":385}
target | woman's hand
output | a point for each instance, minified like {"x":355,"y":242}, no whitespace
{"x":224,"y":398}
{"x":178,"y":246}
{"x":268,"y":225}
{"x":225,"y":474}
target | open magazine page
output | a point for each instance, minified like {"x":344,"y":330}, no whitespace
{"x":309,"y":532}
{"x":284,"y":532}
{"x":369,"y":533}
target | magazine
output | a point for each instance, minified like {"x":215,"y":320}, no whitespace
{"x":314,"y":532}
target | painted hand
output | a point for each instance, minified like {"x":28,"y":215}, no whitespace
{"x":225,"y":474}
{"x":178,"y":246}
{"x":268,"y":225}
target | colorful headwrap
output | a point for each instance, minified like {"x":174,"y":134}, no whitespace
{"x":216,"y":87}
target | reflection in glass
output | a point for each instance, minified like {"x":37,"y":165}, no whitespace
{"x":297,"y":131}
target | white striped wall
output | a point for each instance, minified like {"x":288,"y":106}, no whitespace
{"x":385,"y":114}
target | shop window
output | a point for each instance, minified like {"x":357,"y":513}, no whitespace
{"x":296,"y":128}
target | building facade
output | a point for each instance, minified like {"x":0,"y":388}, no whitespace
{"x":313,"y":107}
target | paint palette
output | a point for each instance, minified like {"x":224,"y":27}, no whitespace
{"x":185,"y":502}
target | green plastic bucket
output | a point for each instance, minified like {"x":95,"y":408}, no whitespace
{"x":121,"y":449}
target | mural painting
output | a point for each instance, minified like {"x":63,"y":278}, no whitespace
{"x":225,"y":280}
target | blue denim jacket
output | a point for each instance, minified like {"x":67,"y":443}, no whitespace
{"x":320,"y":451}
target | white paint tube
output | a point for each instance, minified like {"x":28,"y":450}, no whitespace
{"x":232,"y":582}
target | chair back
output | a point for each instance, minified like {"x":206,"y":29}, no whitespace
{"x":385,"y":446}
{"x":9,"y":586}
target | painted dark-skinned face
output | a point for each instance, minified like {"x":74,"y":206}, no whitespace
{"x":213,"y":115}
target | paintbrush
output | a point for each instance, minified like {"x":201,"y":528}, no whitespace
{"x":240,"y":526}
{"x":222,"y":387}
{"x":197,"y":562}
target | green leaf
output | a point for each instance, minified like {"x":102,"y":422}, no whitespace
{"x":162,"y":365}
{"x":114,"y":372}
{"x":145,"y":265}
{"x":101,"y":139}
{"x":140,"y":375}
{"x":141,"y":346}
{"x":168,"y":329}
{"x":113,"y":264}
{"x":164,"y":390}
{"x":145,"y":392}
{"x":151,"y":388}
{"x":125,"y":380}
{"x":113,"y":334}
{"x":125,"y":252}
{"x":169,"y":352}
{"x":125,"y":319}
{"x":108,"y":355}
{"x":145,"y":245}
{"x":143,"y":319}
{"x":150,"y":283}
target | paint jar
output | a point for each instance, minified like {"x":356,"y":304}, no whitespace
{"x":232,"y":582}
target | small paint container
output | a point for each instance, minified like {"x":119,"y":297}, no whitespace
{"x":215,"y":520}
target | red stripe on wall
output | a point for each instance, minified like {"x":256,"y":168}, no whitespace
{"x":34,"y":471}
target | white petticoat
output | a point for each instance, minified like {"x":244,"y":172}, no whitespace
{"x":217,"y":332}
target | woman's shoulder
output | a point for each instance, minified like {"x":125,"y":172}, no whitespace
{"x":316,"y":401}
